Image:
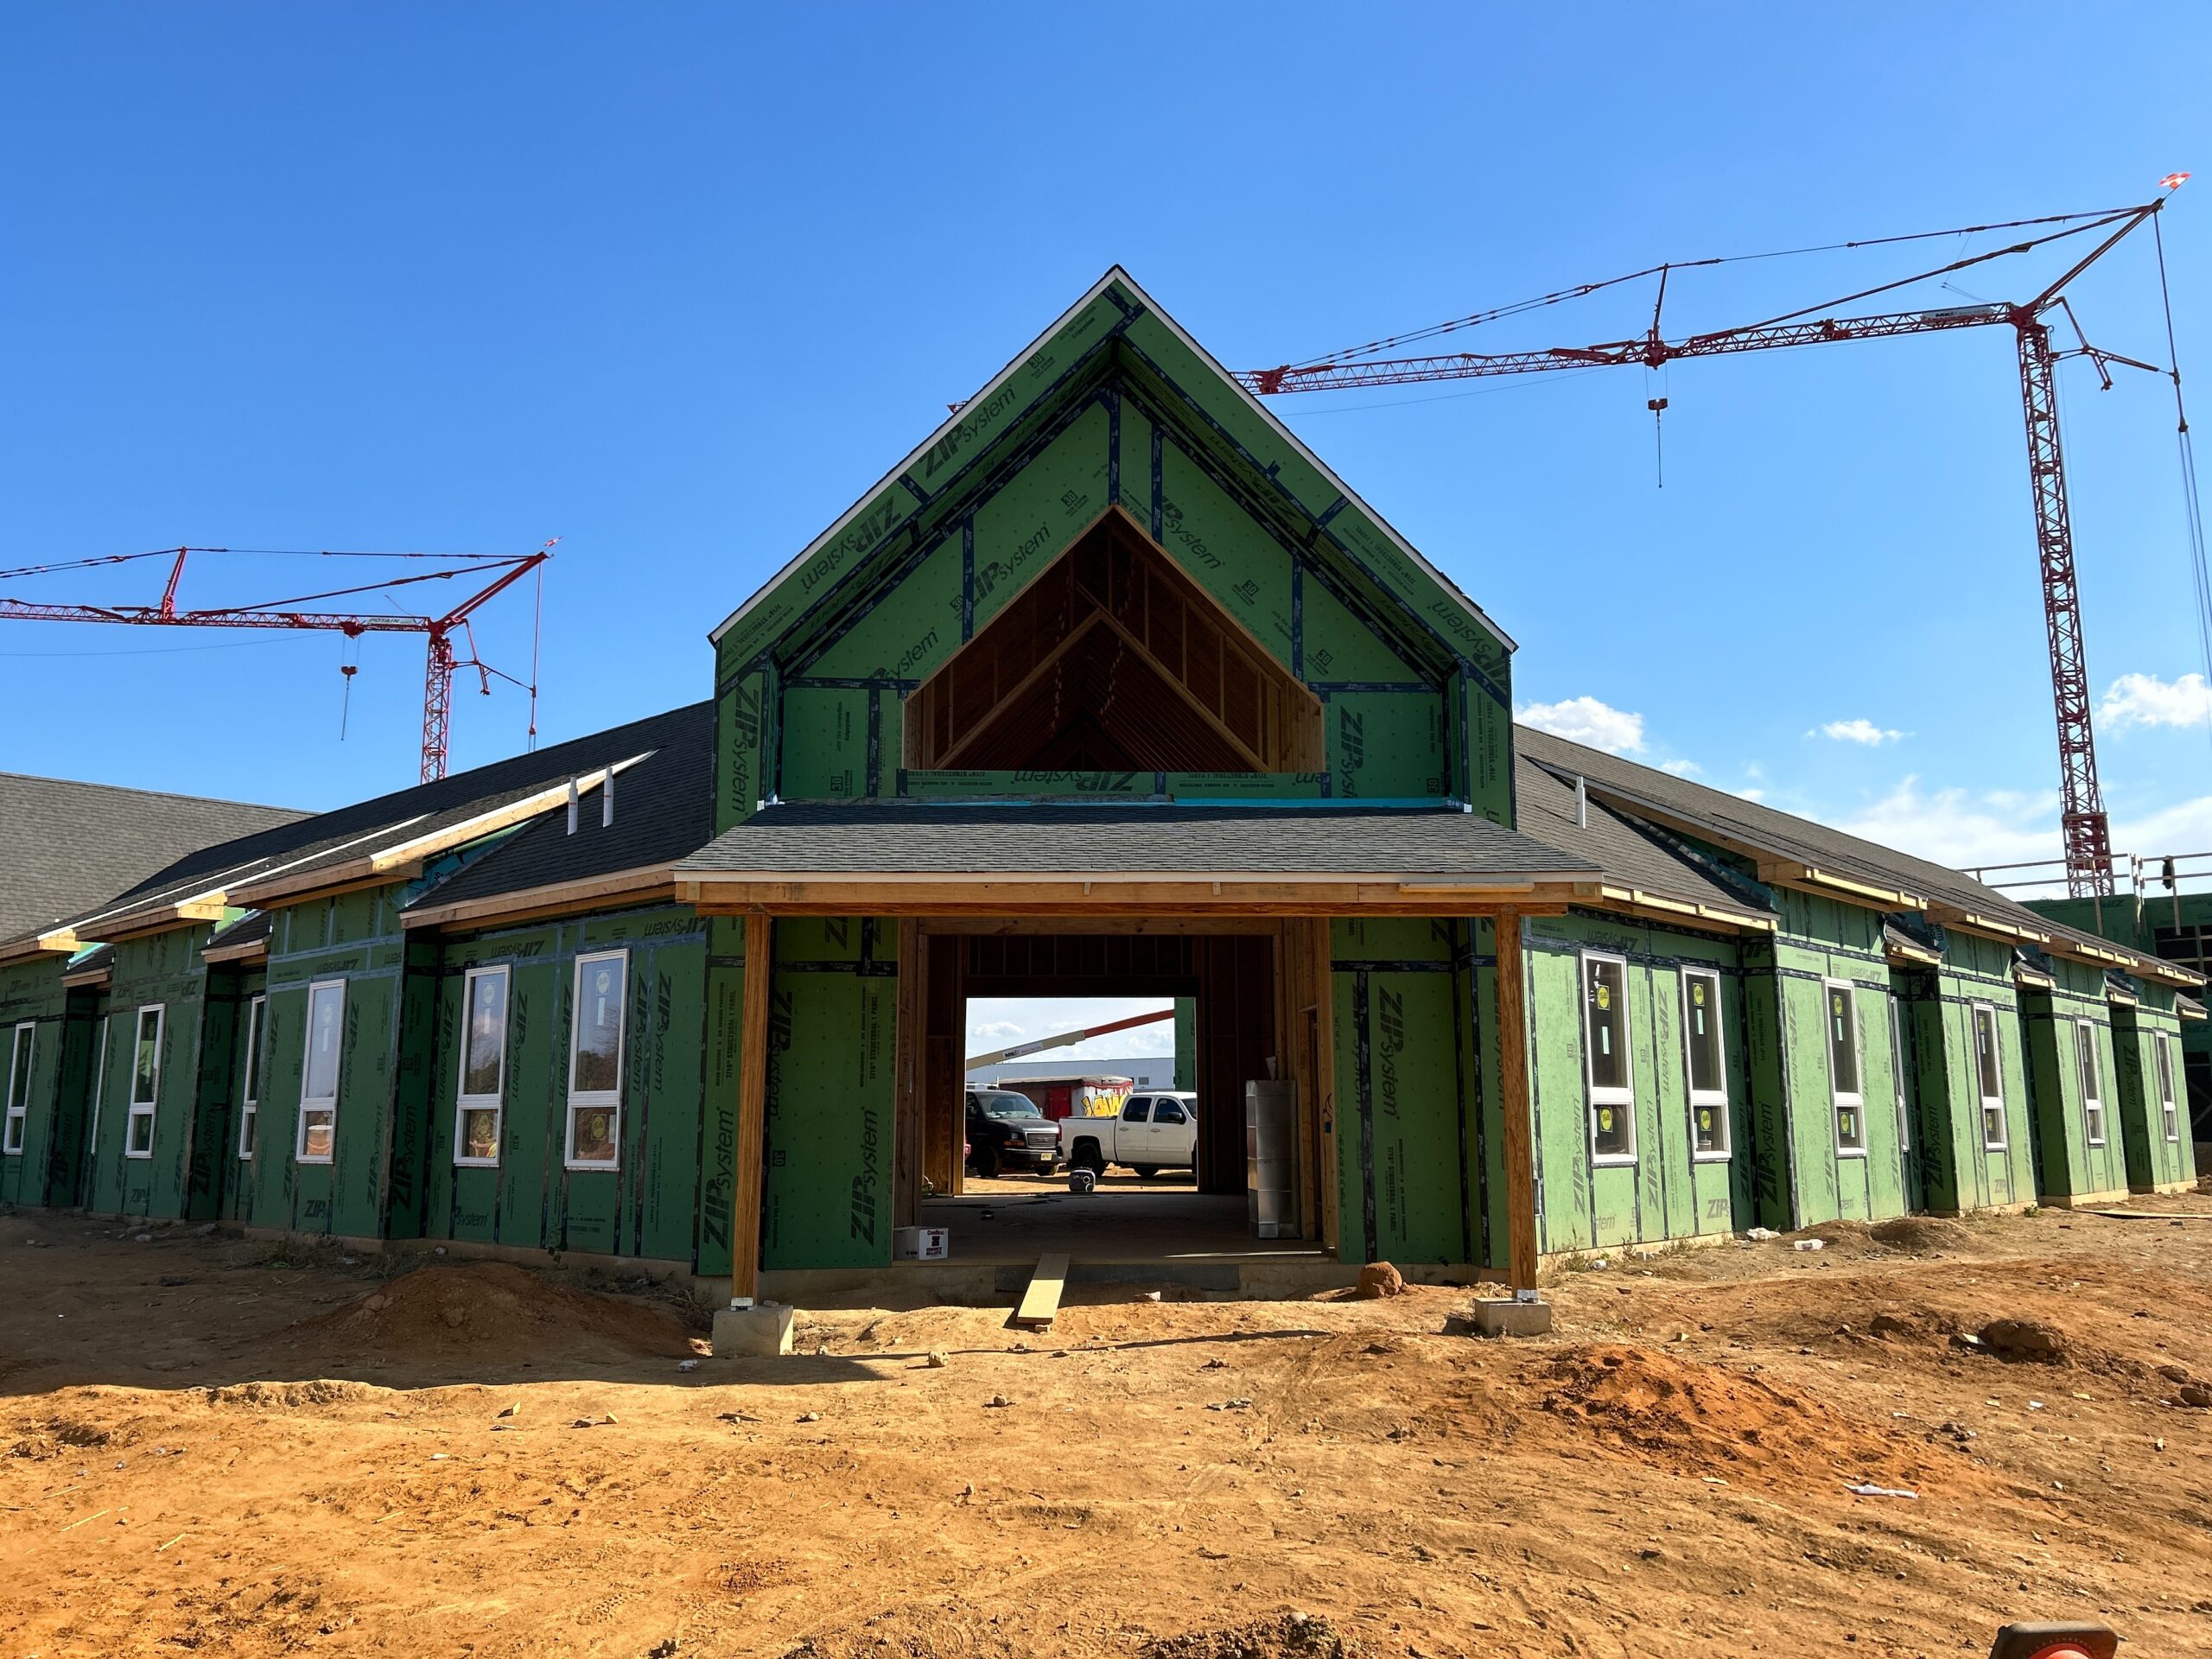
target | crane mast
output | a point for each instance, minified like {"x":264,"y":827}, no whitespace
{"x":2085,"y":831}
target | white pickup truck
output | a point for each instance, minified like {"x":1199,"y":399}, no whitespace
{"x":1156,"y":1129}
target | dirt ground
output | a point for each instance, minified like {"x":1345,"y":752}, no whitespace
{"x":208,"y":1444}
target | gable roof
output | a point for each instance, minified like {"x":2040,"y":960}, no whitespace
{"x":386,"y":838}
{"x":1114,"y":311}
{"x":1882,"y":877}
{"x":68,"y":845}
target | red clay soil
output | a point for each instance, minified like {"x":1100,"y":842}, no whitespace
{"x":209,"y":1447}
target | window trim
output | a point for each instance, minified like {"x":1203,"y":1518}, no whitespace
{"x":99,"y":1093}
{"x":137,"y":1108}
{"x":1698,"y":1096}
{"x":16,"y":1126}
{"x":256,"y":1014}
{"x":2163,"y":1071}
{"x":1839,"y":1098}
{"x":1997,"y":1058}
{"x":587,"y":1100}
{"x":1594,"y":1094}
{"x":2082,"y":1072}
{"x":320,"y":1104}
{"x":496,"y":1103}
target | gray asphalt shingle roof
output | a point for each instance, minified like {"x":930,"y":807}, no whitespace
{"x":664,"y":808}
{"x":337,"y":837}
{"x":931,"y":838}
{"x":1732,"y":818}
{"x":70,"y":845}
{"x":1545,"y":805}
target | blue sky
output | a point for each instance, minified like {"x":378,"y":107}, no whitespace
{"x":675,"y":282}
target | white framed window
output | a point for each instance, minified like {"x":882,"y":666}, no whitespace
{"x":1989,"y":1072}
{"x":2163,"y":1063}
{"x":1900,"y":1075}
{"x":145,"y":1082}
{"x":22,"y":1047}
{"x":595,"y":1061}
{"x":99,"y":1093}
{"x":1840,"y":1004}
{"x":250,"y":1097}
{"x":2093,"y":1083}
{"x":482,"y":1087}
{"x":1606,"y":1060}
{"x":318,"y":1133}
{"x":1705,"y":1061}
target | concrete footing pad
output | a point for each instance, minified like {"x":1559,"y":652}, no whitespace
{"x":1504,"y":1318}
{"x":764,"y":1328}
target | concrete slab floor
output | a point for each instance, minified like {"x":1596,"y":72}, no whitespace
{"x":1016,"y":1219}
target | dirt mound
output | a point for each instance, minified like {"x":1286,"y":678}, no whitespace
{"x":1918,"y":1235}
{"x":292,"y":1396}
{"x":1280,"y":1635}
{"x":1913,"y":1325}
{"x":492,"y":1309}
{"x":1678,"y":1414}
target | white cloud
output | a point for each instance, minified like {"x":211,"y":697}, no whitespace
{"x":2184,"y":827}
{"x":2147,"y":700}
{"x":998,"y":1028}
{"x":1586,"y":720}
{"x":1751,"y":794}
{"x":1858,"y":731}
{"x":1681,"y":768}
{"x":1960,"y":829}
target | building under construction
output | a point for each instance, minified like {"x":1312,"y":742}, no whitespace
{"x":1111,"y":687}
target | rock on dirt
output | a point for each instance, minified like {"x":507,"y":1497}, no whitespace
{"x":2028,"y":1339}
{"x":2197,"y":1395}
{"x":1280,"y":1636}
{"x":1377,"y":1280}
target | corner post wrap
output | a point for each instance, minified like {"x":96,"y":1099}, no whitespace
{"x":751,"y":1113}
{"x":1513,"y":1102}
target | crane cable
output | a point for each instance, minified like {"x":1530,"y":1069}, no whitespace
{"x":2192,"y":501}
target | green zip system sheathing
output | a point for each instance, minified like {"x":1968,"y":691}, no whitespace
{"x":1112,"y":411}
{"x":1407,"y":1121}
{"x":235,"y":1191}
{"x":372,"y":1185}
{"x":1822,"y":942}
{"x":34,"y":1004}
{"x":1663,"y":1190}
{"x":1960,"y":1166}
{"x":2160,"y":1157}
{"x":2075,"y":1164}
{"x":2176,"y":925}
{"x":164,"y":971}
{"x":832,"y":1024}
{"x":647,"y":1206}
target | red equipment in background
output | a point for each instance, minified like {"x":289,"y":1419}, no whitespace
{"x":442,"y":657}
{"x":2085,"y":829}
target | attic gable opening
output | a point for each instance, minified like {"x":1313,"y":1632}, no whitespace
{"x":1113,"y":659}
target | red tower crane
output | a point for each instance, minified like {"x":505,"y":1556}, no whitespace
{"x":2086,"y":832}
{"x":441,"y":630}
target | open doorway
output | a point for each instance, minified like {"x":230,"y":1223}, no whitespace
{"x":1153,"y":1115}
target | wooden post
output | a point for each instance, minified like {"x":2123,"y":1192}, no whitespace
{"x":1513,"y":1102}
{"x":751,"y":1112}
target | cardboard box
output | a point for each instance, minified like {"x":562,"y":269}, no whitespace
{"x":920,"y":1243}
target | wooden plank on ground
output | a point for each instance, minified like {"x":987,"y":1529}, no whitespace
{"x":1040,"y":1303}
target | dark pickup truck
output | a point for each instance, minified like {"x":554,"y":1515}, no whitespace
{"x":1006,"y":1131}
